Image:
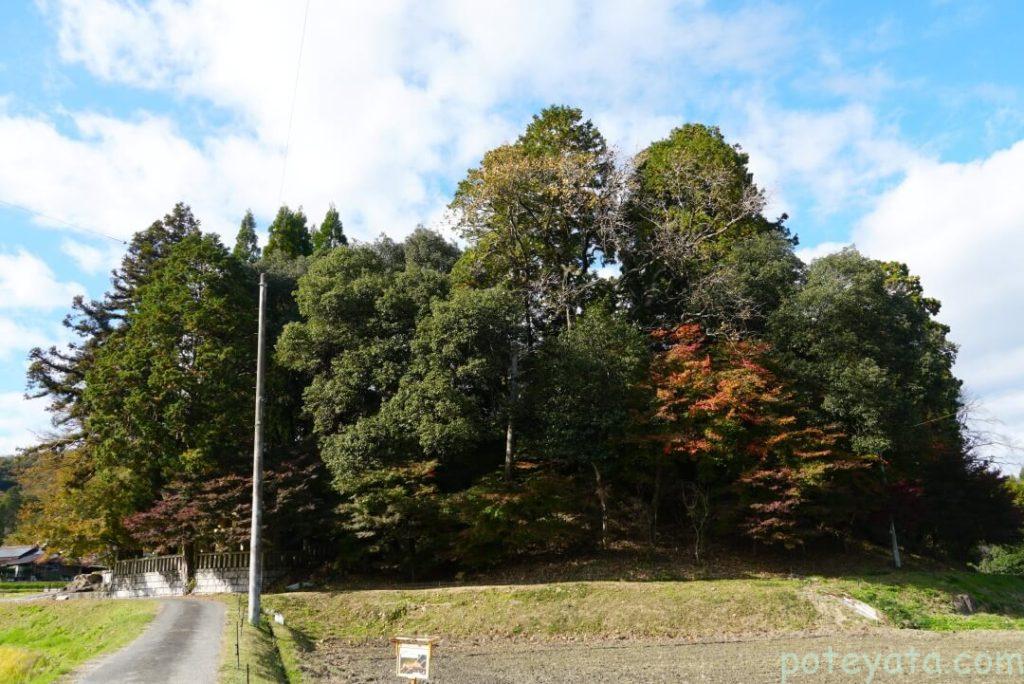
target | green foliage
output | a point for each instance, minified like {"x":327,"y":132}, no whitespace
{"x":1002,"y":560}
{"x":11,"y":497}
{"x":474,"y":405}
{"x":10,"y":505}
{"x":165,"y":394}
{"x":532,"y":213}
{"x":860,"y":340}
{"x":359,"y":317}
{"x":455,"y":399}
{"x":395,"y":515}
{"x":289,"y":234}
{"x":590,"y":391}
{"x":690,"y":250}
{"x":428,"y":249}
{"x":247,"y":247}
{"x":331,"y":233}
{"x":539,"y":513}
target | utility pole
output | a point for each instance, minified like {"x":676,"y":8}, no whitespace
{"x":255,"y":555}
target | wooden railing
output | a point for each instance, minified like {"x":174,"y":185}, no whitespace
{"x":162,"y":564}
{"x":230,"y":560}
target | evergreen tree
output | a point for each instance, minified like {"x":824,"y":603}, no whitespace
{"x":693,"y":204}
{"x":289,"y":235}
{"x":59,"y":374}
{"x":246,"y":245}
{"x":428,"y":249}
{"x":331,"y":233}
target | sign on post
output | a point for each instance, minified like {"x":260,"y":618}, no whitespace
{"x":412,"y":657}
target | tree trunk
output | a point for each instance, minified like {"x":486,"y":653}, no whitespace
{"x":513,"y":398}
{"x":655,"y":501}
{"x":602,"y":498}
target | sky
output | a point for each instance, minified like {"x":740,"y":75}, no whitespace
{"x":896,"y":127}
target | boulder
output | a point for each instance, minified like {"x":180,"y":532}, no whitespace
{"x":89,"y":582}
{"x":964,"y":604}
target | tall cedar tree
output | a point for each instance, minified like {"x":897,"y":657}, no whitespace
{"x":170,"y":394}
{"x":247,"y":247}
{"x":58,"y":375}
{"x":331,"y":232}
{"x":692,"y":204}
{"x":289,"y":235}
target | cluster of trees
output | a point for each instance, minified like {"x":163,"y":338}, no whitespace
{"x":623,"y":349}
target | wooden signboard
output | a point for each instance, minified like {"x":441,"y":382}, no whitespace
{"x":412,"y":657}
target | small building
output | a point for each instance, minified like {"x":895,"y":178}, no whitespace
{"x":18,"y":562}
{"x":31,"y":563}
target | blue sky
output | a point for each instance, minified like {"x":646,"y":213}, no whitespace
{"x":893,"y":126}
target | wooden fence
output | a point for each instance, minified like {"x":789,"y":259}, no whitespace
{"x":162,"y":564}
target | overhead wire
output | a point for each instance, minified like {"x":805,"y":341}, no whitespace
{"x":291,"y":113}
{"x":68,"y":224}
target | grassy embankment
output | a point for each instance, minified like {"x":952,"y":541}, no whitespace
{"x":696,"y":610}
{"x":700,"y":609}
{"x":42,"y":640}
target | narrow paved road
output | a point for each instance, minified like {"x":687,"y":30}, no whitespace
{"x":182,"y":644}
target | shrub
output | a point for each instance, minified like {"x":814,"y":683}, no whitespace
{"x":542,"y":513}
{"x":1002,"y":560}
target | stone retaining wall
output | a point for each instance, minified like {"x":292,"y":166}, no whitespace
{"x":216,"y":573}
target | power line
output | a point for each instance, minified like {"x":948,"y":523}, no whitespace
{"x":61,"y":221}
{"x":291,"y":113}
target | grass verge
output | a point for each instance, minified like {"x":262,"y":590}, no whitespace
{"x":256,"y":648}
{"x":42,"y":640}
{"x":291,"y":645}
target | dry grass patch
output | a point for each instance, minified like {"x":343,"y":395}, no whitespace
{"x":577,"y":610}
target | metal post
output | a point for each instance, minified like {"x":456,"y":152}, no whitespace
{"x":255,"y":555}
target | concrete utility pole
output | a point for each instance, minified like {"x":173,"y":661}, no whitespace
{"x":255,"y":556}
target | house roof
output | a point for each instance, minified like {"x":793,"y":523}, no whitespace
{"x":19,"y":555}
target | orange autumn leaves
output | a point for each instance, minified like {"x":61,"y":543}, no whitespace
{"x":724,"y":414}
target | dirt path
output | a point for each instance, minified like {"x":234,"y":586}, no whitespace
{"x":182,"y":644}
{"x":878,"y":656}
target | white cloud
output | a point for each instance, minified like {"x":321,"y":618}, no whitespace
{"x":841,"y":158}
{"x":90,"y":259}
{"x":26,"y":282}
{"x":21,"y":421}
{"x":809,"y":254}
{"x":394,"y":100}
{"x":961,"y":227}
{"x":15,"y":337}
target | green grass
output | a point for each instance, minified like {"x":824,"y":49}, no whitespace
{"x":924,"y":600}
{"x":257,"y":648}
{"x":9,"y":589}
{"x":292,"y":646}
{"x":42,"y":640}
{"x":697,"y":609}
